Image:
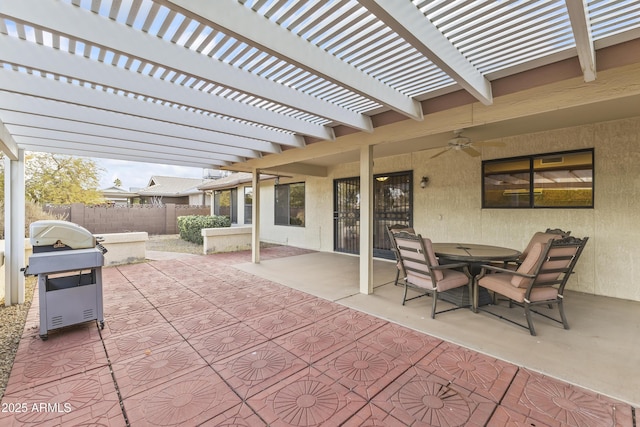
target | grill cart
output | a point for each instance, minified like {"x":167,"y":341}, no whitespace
{"x":68,"y":261}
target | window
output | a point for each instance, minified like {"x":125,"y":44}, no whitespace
{"x":554,"y":180}
{"x":248,"y":203}
{"x":289,"y":204}
{"x":225,"y":204}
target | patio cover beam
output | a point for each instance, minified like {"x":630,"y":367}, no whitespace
{"x":88,"y":27}
{"x":7,"y":144}
{"x":34,"y":138}
{"x":579,"y":17}
{"x":19,"y":108}
{"x":221,"y":130}
{"x":25,"y":123}
{"x":38,"y":57}
{"x":555,"y":99}
{"x":409,"y":22}
{"x":299,"y":169}
{"x":246,"y":25}
{"x":107,"y":153}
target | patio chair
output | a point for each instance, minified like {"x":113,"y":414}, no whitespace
{"x":540,"y":237}
{"x":539,"y":280}
{"x":422,"y":271}
{"x":391,"y":231}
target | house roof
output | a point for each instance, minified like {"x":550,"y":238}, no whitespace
{"x":231,"y":181}
{"x":179,"y":82}
{"x":117,"y":192}
{"x":171,"y":186}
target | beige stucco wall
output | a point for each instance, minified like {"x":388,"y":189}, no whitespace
{"x":124,"y":248}
{"x":449,"y":209}
{"x":226,"y":239}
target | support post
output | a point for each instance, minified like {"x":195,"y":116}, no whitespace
{"x":366,"y":220}
{"x":255,"y":218}
{"x":14,"y":226}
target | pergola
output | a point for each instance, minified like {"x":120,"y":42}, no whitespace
{"x":246,"y":84}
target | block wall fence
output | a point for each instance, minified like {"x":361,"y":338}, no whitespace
{"x":123,"y":219}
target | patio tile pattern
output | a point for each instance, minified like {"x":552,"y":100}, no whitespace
{"x":195,"y":341}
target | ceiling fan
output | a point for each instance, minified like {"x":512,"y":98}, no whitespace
{"x":463,"y":143}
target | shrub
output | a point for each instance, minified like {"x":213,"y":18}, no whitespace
{"x":190,"y":226}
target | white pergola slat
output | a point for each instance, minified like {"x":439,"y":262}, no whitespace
{"x":254,"y":77}
{"x":35,"y":86}
{"x":45,"y":146}
{"x":578,"y":14}
{"x":83,"y":69}
{"x":36,"y":137}
{"x":125,"y":137}
{"x":7,"y":143}
{"x":253,"y":29}
{"x":191,"y":137}
{"x":409,"y":23}
{"x":90,"y":28}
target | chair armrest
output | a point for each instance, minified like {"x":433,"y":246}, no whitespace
{"x":450,"y":266}
{"x":463,"y":265}
{"x":486,"y":267}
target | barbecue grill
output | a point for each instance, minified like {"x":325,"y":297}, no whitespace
{"x":68,"y":261}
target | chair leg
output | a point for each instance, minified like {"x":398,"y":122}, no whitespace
{"x":404,"y":297}
{"x":562,"y":316}
{"x":475,"y":296}
{"x":397,"y":278}
{"x":527,"y":313}
{"x":435,"y":300}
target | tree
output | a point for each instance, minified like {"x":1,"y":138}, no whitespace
{"x":117,"y":182}
{"x":58,"y":179}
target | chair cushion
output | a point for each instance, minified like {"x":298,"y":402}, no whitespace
{"x":538,"y":237}
{"x":433,"y":260}
{"x":451,"y":279}
{"x":527,"y":267}
{"x":501,"y":283}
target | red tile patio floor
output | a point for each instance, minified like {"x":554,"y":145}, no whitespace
{"x":194,"y":341}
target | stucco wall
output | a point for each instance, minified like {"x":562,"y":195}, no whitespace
{"x":449,"y":209}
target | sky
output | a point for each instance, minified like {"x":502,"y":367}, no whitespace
{"x":134,"y":174}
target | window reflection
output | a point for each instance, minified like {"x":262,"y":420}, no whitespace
{"x":549,"y":180}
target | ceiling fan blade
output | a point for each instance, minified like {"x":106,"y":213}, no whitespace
{"x":440,"y":153}
{"x":471,"y":151}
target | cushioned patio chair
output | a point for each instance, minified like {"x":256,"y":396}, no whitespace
{"x":539,"y":280}
{"x":422,"y":271}
{"x":392,"y":230}
{"x":540,"y":237}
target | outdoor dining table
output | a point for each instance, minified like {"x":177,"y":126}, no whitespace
{"x":475,"y":255}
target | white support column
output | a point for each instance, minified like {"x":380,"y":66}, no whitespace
{"x":255,"y":218}
{"x":366,"y":220}
{"x":14,"y":229}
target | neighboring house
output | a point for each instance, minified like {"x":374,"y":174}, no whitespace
{"x":181,"y":191}
{"x":119,"y":196}
{"x":232,"y":196}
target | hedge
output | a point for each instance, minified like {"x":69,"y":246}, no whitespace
{"x":190,"y":226}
